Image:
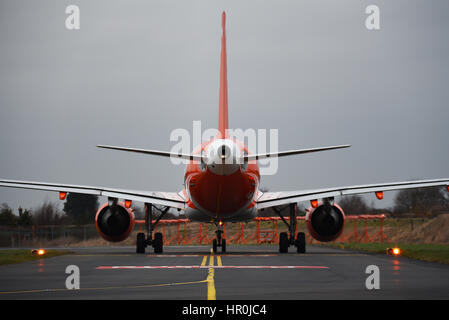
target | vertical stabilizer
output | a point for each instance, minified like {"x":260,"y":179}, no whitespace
{"x":223,"y":98}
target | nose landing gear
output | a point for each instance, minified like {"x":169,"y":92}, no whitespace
{"x":219,"y":241}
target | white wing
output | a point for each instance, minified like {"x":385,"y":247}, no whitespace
{"x":270,"y":199}
{"x":170,"y":199}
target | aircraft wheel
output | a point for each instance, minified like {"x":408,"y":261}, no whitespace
{"x":158,"y":243}
{"x":300,"y":242}
{"x":223,"y":245}
{"x":140,"y":243}
{"x":283,"y":242}
{"x":214,"y":245}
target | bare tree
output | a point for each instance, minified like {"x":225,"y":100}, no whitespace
{"x":47,"y":214}
{"x":420,"y":200}
{"x":353,"y":205}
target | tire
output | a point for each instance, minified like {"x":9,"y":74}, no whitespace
{"x":214,"y":245}
{"x":140,"y":243}
{"x":300,"y":242}
{"x":223,"y":245}
{"x":158,"y":243}
{"x":283,"y":242}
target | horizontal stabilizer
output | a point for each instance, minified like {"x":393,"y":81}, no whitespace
{"x":155,"y":152}
{"x":251,"y":157}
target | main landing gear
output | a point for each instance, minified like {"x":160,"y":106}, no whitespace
{"x":288,"y":239}
{"x":157,"y":243}
{"x":219,"y":241}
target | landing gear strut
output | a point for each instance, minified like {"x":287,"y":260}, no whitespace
{"x":157,"y":243}
{"x":219,"y":241}
{"x":288,"y":239}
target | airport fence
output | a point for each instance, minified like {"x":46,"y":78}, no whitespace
{"x":22,"y":236}
{"x":361,"y":228}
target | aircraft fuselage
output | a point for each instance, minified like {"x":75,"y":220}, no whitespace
{"x":222,"y":189}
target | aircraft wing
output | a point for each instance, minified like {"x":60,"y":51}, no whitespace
{"x":271,"y":199}
{"x":169,"y":199}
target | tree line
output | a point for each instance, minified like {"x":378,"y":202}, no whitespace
{"x":78,"y":209}
{"x":416,"y":202}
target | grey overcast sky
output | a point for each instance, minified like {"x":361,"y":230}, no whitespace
{"x":136,"y":70}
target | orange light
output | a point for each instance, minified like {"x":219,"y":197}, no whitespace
{"x":40,"y":252}
{"x":128,"y":204}
{"x":220,"y":223}
{"x":379,"y":195}
{"x":62,"y":195}
{"x":314,"y":203}
{"x":394,"y":251}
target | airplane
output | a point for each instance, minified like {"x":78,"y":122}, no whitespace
{"x":221,"y":185}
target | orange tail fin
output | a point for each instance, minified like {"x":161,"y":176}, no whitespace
{"x":223,"y":99}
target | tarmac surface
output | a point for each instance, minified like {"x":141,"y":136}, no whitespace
{"x":243,"y":273}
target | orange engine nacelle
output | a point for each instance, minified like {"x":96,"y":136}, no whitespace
{"x":114,"y":225}
{"x":325,"y":222}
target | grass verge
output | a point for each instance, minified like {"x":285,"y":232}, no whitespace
{"x":426,"y":252}
{"x":24,"y":255}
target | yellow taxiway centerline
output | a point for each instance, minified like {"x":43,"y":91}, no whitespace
{"x":211,"y":294}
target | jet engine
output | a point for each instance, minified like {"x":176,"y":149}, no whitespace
{"x":114,"y":222}
{"x":325,"y":222}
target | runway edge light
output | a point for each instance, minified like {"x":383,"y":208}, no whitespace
{"x":394,"y":251}
{"x":38,"y":252}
